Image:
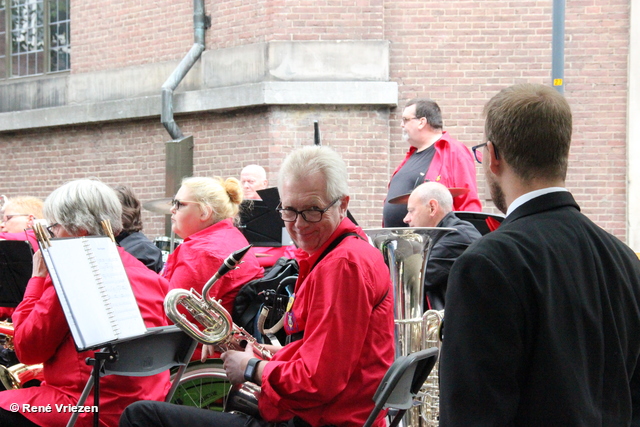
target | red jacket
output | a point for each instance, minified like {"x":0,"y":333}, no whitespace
{"x":199,"y":257}
{"x":345,"y":308}
{"x":42,"y":335}
{"x":454,"y":167}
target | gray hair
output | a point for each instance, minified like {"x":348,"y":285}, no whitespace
{"x":255,"y":170}
{"x":314,"y":159}
{"x":436,"y":191}
{"x":82,"y":205}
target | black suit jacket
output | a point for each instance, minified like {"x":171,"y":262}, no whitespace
{"x":542,"y":325}
{"x":442,"y":256}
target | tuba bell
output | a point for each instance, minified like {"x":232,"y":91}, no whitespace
{"x":406,"y":252}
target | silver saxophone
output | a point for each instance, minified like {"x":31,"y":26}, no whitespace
{"x":406,"y":252}
{"x":215,"y":324}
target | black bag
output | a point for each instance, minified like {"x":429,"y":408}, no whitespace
{"x":272,"y":290}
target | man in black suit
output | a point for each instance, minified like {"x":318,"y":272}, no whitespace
{"x":542,"y":314}
{"x":431,"y":205}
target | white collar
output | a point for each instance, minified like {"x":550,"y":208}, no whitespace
{"x":531,"y":195}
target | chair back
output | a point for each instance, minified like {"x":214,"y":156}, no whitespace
{"x":402,"y":383}
{"x":482,"y":221}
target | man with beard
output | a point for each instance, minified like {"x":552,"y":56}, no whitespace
{"x":433,"y":156}
{"x":541,"y":312}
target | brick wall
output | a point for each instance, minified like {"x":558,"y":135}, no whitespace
{"x":459,"y":52}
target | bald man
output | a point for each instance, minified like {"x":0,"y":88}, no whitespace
{"x":431,"y":205}
{"x":253,"y":178}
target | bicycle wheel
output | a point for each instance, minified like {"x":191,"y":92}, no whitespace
{"x":203,"y":385}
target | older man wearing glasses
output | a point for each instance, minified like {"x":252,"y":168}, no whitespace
{"x":434,"y":156}
{"x":340,"y":317}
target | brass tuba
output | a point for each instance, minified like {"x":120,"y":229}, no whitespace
{"x":217,"y":326}
{"x":406,"y":252}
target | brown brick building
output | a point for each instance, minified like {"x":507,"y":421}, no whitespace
{"x":271,"y":68}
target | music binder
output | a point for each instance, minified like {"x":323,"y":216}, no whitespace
{"x":93,"y":289}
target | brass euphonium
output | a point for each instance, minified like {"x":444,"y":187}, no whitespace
{"x":18,"y":375}
{"x":218,"y":328}
{"x":406,"y":252}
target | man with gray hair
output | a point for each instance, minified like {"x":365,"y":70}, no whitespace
{"x":252,"y":179}
{"x":431,"y":205}
{"x":340,"y":318}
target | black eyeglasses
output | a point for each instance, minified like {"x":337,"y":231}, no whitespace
{"x":408,"y":119}
{"x":309,"y":215}
{"x":7,"y":218}
{"x":477,"y":151}
{"x":177,"y":204}
{"x":50,"y":229}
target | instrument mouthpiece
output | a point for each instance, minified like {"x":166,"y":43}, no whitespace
{"x":233,"y":260}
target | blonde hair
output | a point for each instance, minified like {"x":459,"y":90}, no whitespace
{"x":26,"y":205}
{"x":222,"y":196}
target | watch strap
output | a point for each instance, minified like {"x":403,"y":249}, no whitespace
{"x":250,"y":371}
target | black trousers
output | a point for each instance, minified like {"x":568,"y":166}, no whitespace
{"x":14,"y":419}
{"x":147,"y":413}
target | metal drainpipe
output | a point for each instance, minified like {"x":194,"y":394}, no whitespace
{"x":200,"y":23}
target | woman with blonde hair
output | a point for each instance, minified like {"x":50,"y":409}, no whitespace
{"x":203,"y":213}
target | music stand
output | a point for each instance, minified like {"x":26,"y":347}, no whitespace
{"x":260,"y":222}
{"x":16,"y":260}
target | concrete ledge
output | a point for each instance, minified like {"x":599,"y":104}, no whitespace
{"x":214,"y":99}
{"x":348,"y":72}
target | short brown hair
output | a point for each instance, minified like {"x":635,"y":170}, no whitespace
{"x":429,"y":109}
{"x":530,"y":126}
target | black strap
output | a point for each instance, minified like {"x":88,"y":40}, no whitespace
{"x":298,"y":335}
{"x":333,"y":245}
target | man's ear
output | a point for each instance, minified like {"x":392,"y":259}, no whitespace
{"x":344,"y":204}
{"x":433,"y":207}
{"x":495,"y":162}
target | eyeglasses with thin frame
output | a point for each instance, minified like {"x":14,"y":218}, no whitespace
{"x":477,"y":151}
{"x":309,"y":215}
{"x":8,"y":218}
{"x":177,"y":204}
{"x":50,"y":229}
{"x":405,"y":120}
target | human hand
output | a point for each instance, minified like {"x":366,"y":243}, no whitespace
{"x":235,"y":363}
{"x":39,"y":267}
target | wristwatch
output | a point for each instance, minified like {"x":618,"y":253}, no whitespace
{"x":252,"y":368}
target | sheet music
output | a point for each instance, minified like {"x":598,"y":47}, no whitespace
{"x":94,"y":290}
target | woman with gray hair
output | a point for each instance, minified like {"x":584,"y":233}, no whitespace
{"x":42,"y":333}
